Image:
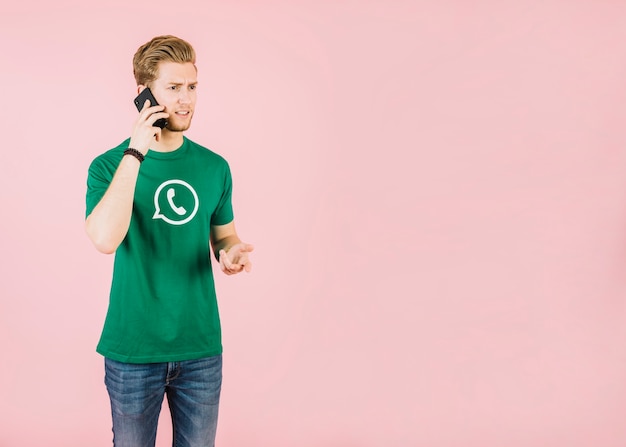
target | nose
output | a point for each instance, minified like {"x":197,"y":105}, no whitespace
{"x":184,"y":97}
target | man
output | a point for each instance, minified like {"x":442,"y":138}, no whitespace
{"x":161,"y":202}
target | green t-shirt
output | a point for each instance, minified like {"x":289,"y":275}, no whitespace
{"x":162,"y":304}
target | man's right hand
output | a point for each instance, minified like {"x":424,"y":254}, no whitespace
{"x":145,"y":132}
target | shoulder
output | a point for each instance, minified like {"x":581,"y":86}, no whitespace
{"x":206,"y":156}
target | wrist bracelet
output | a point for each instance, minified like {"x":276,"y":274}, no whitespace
{"x":135,"y":153}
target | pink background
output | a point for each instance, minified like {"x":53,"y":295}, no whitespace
{"x":436,"y":192}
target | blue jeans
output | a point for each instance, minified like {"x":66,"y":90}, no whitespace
{"x":136,"y":392}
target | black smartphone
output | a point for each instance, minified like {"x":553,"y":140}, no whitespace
{"x":140,"y":101}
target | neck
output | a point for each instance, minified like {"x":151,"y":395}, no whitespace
{"x":169,"y":141}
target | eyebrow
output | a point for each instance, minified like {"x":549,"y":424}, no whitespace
{"x":181,"y":83}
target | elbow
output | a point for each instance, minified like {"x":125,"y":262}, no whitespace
{"x":104,"y":248}
{"x":101,"y":241}
{"x":103,"y":245}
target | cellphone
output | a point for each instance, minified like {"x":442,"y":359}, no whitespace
{"x":140,"y":101}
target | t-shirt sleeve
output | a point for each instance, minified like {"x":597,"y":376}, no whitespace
{"x":223,"y":213}
{"x":98,"y":180}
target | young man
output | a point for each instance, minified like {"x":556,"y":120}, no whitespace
{"x":161,"y":202}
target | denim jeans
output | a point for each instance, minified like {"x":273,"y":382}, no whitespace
{"x":136,"y":392}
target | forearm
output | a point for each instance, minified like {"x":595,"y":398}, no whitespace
{"x":108,"y":223}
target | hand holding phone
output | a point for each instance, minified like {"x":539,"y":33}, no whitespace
{"x":140,"y":100}
{"x":150,"y":122}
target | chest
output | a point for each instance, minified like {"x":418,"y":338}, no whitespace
{"x":176,"y":193}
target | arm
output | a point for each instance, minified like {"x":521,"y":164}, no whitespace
{"x":232,"y":254}
{"x":108,"y":223}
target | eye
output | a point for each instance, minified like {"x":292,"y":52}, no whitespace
{"x":192,"y":87}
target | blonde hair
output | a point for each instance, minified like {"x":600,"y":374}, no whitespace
{"x":162,"y":48}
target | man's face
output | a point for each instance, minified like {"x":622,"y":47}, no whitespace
{"x":175,"y":88}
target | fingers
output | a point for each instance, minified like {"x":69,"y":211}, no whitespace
{"x":244,"y":261}
{"x":230,"y":267}
{"x":243,"y":264}
{"x":145,"y":131}
{"x":155,"y":116}
{"x":227,"y":265}
{"x":147,"y":111}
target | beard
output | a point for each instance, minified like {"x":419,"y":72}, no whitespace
{"x":173,"y":125}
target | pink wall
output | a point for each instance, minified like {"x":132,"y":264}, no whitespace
{"x":436,"y":192}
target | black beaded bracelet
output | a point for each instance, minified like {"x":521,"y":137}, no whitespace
{"x":135,"y":153}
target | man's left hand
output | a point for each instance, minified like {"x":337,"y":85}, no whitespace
{"x":236,"y":259}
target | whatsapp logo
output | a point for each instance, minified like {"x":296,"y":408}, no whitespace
{"x":176,"y":202}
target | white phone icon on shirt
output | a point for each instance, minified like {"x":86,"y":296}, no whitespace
{"x":180,"y":210}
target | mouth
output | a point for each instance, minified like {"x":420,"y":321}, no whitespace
{"x":183,"y":113}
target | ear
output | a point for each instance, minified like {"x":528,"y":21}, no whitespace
{"x":140,"y":88}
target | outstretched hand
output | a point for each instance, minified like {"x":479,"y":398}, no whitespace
{"x":236,"y":259}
